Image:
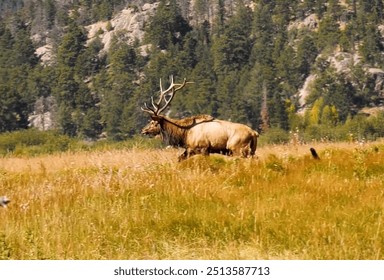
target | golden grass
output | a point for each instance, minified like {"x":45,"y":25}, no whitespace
{"x":142,"y":204}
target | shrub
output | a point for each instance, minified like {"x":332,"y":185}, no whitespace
{"x":33,"y":142}
{"x":274,"y":136}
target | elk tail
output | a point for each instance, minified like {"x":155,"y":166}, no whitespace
{"x":253,"y":145}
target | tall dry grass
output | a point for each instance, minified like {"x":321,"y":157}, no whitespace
{"x":142,"y":204}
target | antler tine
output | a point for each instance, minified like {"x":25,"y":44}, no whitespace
{"x":147,"y":109}
{"x":153,"y":103}
{"x":156,"y":110}
{"x":161,"y":95}
{"x":180,"y":86}
{"x":172,"y":87}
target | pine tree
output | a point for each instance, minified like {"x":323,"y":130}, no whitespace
{"x":226,"y":95}
{"x":90,"y":61}
{"x":264,"y":111}
{"x":250,"y":95}
{"x":23,"y":49}
{"x":6,"y":46}
{"x":219,"y":20}
{"x":203,"y":98}
{"x":328,"y":34}
{"x":72,"y":44}
{"x":372,"y":47}
{"x":17,"y":60}
{"x":306,"y":55}
{"x":14,"y":102}
{"x":237,"y":40}
{"x":67,"y":88}
{"x":50,"y":13}
{"x":118,"y":102}
{"x":167,"y":26}
{"x":263,"y":31}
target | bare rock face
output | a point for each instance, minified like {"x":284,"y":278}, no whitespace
{"x":130,"y":22}
{"x":43,"y":117}
{"x":45,"y":54}
{"x":305,"y":90}
{"x":311,"y":22}
{"x":378,"y":75}
{"x":41,"y":121}
{"x":343,"y":61}
{"x":381,"y":29}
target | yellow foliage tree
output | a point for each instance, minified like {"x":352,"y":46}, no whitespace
{"x":315,"y":113}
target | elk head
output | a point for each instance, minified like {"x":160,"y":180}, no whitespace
{"x":151,"y":129}
{"x":163,"y":102}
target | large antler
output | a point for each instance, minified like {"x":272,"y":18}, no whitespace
{"x":170,"y":92}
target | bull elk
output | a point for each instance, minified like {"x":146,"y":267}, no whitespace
{"x":198,"y":134}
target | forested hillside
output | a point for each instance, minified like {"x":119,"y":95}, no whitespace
{"x":275,"y":65}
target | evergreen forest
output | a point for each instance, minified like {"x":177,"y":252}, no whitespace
{"x":249,"y":61}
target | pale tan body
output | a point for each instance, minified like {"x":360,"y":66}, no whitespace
{"x":236,"y":138}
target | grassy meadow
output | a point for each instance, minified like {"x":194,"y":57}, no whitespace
{"x":141,"y":203}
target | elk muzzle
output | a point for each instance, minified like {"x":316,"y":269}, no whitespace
{"x":152,"y":129}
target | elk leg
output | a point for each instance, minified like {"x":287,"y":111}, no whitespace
{"x":245,"y":152}
{"x":191,"y":152}
{"x":204,"y":151}
{"x":183,"y":156}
